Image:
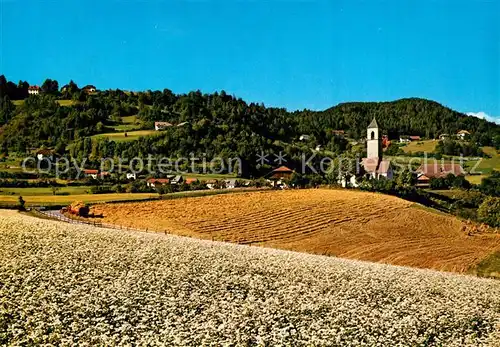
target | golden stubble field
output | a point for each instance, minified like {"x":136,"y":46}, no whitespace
{"x":342,"y":223}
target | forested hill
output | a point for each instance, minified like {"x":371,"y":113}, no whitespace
{"x":411,"y":116}
{"x":214,"y":124}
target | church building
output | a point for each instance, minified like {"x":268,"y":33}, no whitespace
{"x":374,"y":166}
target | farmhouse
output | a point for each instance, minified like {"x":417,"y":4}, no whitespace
{"x":153,"y":182}
{"x":190,"y":180}
{"x":404,"y":139}
{"x":230,"y":183}
{"x":280,"y":173}
{"x":91,"y":173}
{"x":89,"y":89}
{"x":463,"y":134}
{"x":176,"y":180}
{"x":33,"y":90}
{"x":436,"y":170}
{"x":211,"y":184}
{"x":45,"y":154}
{"x":385,"y":141}
{"x":162,"y":125}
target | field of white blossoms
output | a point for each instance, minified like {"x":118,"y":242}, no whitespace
{"x":62,"y":284}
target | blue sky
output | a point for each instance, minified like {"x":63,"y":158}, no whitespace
{"x":294,"y":54}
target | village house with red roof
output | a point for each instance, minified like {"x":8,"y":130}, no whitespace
{"x":435,"y":169}
{"x":162,"y":125}
{"x":153,"y":182}
{"x":33,"y":90}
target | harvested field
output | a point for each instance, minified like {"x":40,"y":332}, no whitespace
{"x":343,"y":223}
{"x":68,"y":285}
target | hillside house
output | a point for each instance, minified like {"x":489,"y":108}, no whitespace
{"x":45,"y":154}
{"x":89,"y":89}
{"x":339,"y":133}
{"x":278,"y":176}
{"x":436,"y":170}
{"x":176,"y":180}
{"x":211,"y":184}
{"x":385,"y":141}
{"x":404,"y":139}
{"x":281,"y":173}
{"x":131,"y":176}
{"x":463,"y":135}
{"x":304,"y":137}
{"x":162,"y":125}
{"x":230,"y":183}
{"x":155,"y":182}
{"x":33,"y":90}
{"x":190,"y":180}
{"x":91,"y":173}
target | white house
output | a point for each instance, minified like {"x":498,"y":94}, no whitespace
{"x":176,"y":180}
{"x":404,"y":139}
{"x":33,"y":90}
{"x":91,"y":173}
{"x":131,"y":176}
{"x":304,"y":137}
{"x":231,"y":183}
{"x":162,"y":125}
{"x":463,"y":134}
{"x":89,"y":89}
{"x":45,"y":154}
{"x":153,"y":182}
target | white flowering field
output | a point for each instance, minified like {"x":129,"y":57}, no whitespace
{"x":71,"y":285}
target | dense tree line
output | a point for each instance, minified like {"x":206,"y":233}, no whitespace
{"x":211,"y":125}
{"x":452,"y":147}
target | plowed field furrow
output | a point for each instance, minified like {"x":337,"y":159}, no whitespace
{"x":344,"y":223}
{"x":277,"y":222}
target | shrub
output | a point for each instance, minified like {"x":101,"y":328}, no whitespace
{"x":489,"y":211}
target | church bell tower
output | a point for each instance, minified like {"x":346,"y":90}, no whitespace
{"x":373,"y":141}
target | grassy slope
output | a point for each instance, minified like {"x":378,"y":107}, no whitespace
{"x":42,"y":191}
{"x":68,"y":199}
{"x":489,"y":267}
{"x":61,"y":102}
{"x":120,"y":137}
{"x":420,"y":146}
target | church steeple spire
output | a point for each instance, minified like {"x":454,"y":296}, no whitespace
{"x":373,"y":124}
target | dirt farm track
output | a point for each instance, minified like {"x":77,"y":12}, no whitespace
{"x":342,"y":223}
